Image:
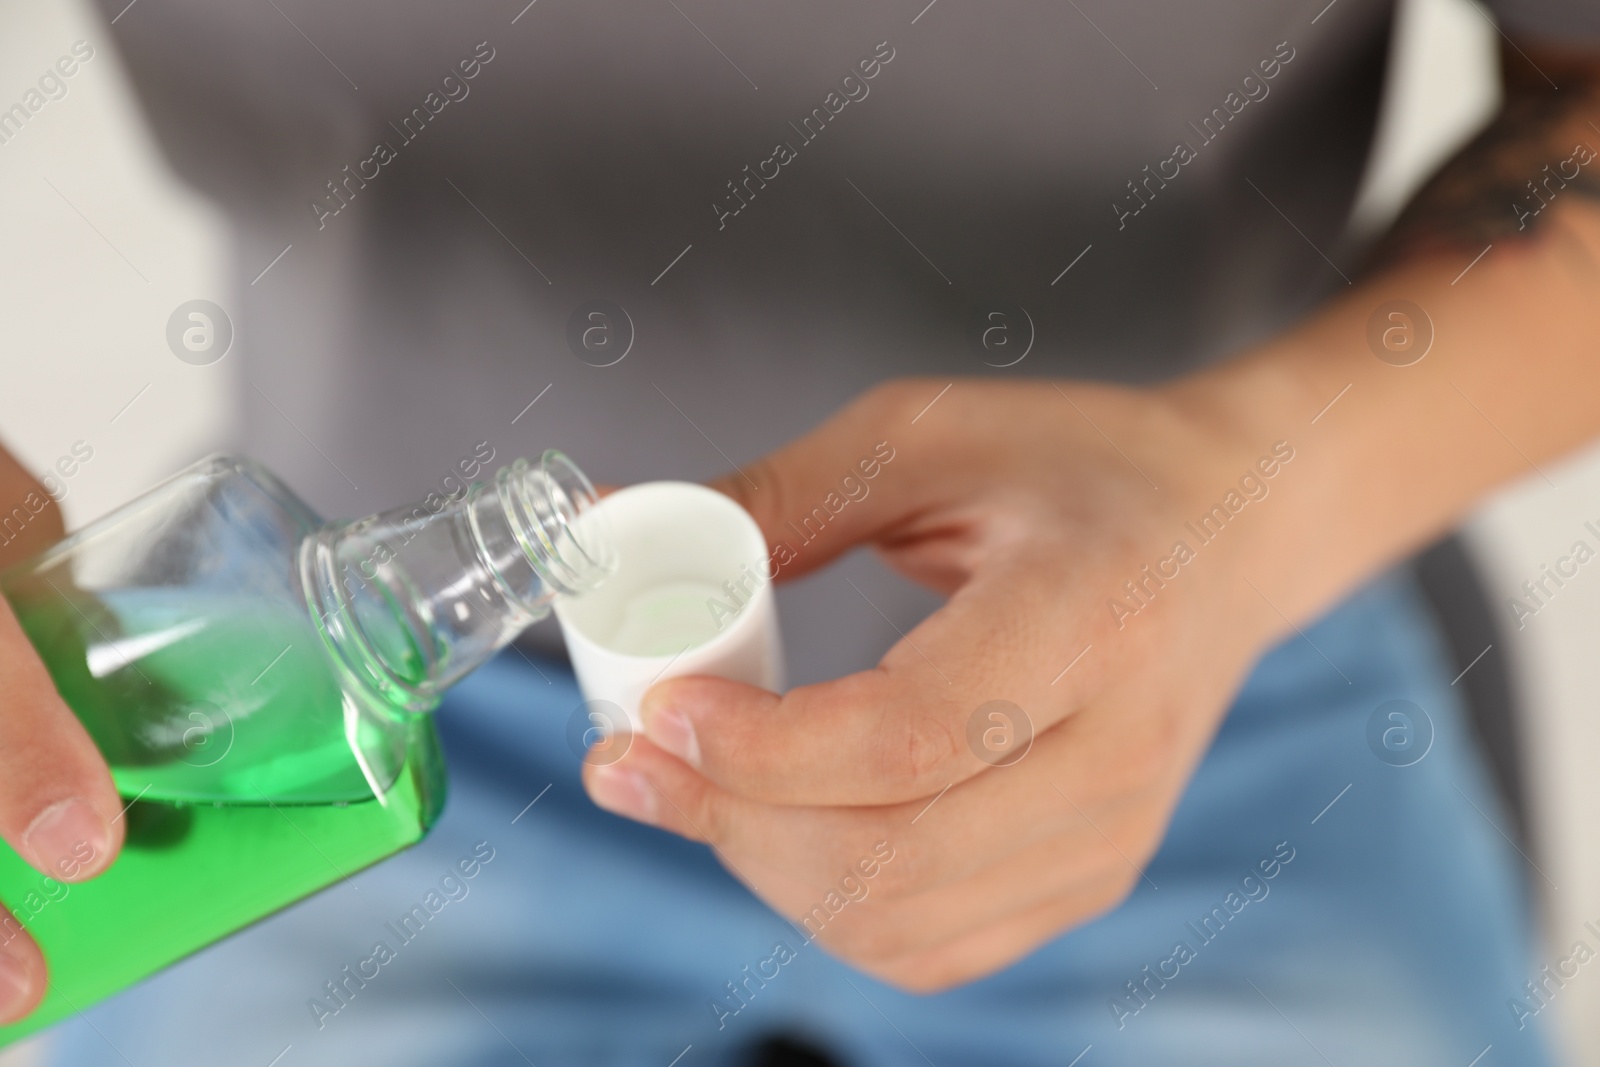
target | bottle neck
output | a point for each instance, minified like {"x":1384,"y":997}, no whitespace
{"x":411,"y":600}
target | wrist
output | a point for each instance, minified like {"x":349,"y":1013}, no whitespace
{"x":1388,"y":454}
{"x":1249,"y":494}
{"x":1334,"y":505}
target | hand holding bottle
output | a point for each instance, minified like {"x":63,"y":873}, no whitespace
{"x":229,"y":654}
{"x":58,"y":807}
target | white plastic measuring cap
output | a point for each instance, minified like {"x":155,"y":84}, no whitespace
{"x":691,"y":595}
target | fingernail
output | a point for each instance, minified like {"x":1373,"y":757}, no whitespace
{"x":68,"y":840}
{"x":623,"y":792}
{"x":16,"y":988}
{"x":671,"y":729}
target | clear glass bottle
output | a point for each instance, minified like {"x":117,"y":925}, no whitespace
{"x":261,"y":683}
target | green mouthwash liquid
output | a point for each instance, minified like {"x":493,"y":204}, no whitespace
{"x":261,"y":682}
{"x":251,"y":779}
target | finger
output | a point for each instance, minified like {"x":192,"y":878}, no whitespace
{"x":22,"y":970}
{"x":651,"y":786}
{"x":846,"y":482}
{"x":1065,"y":871}
{"x":1096,"y":787}
{"x":846,"y":902}
{"x":911,"y":727}
{"x":58,"y":807}
{"x":937,"y":949}
{"x":984,"y":951}
{"x":850,"y":913}
{"x":18,"y":488}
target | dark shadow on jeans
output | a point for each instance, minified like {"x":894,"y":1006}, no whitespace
{"x":784,"y":1051}
{"x":1454,"y":590}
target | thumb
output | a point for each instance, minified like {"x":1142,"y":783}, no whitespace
{"x":832,"y":489}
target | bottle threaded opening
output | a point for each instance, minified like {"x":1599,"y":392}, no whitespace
{"x":556,"y":522}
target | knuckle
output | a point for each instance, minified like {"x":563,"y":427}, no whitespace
{"x":1111,"y":895}
{"x":898,"y":401}
{"x":931,"y":748}
{"x":915,"y":976}
{"x":1147,"y":755}
{"x":919,"y":755}
{"x":710,"y":815}
{"x":1121,"y":869}
{"x":1121,"y":887}
{"x":872,"y":940}
{"x":903,"y":878}
{"x":767,"y":497}
{"x":896,"y":394}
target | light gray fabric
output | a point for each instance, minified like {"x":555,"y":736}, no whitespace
{"x":586,"y":156}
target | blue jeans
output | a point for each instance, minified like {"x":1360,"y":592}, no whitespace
{"x":1313,"y":903}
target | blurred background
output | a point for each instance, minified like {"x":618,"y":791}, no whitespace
{"x":101,"y":245}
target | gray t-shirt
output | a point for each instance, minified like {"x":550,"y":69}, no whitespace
{"x":770,"y":206}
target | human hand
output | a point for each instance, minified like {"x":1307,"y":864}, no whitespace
{"x":58,"y":807}
{"x":905,"y":788}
